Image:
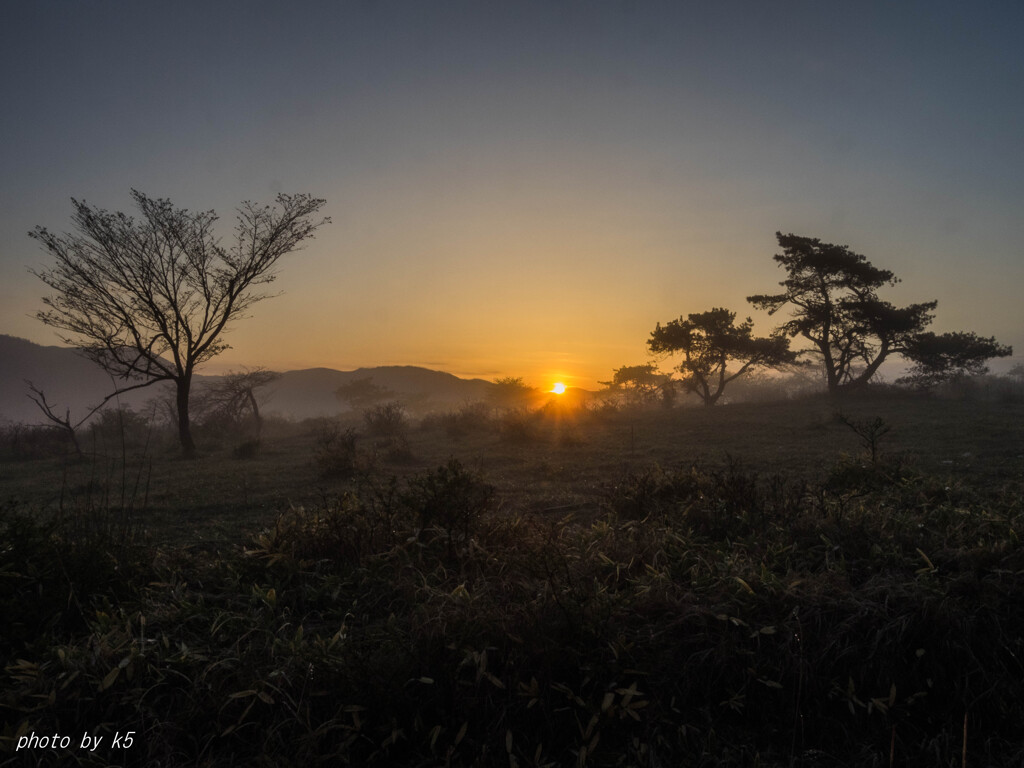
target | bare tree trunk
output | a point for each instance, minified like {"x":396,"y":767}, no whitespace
{"x":831,"y":374}
{"x":188,"y":446}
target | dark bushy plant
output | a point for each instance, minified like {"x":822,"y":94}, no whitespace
{"x":715,"y":617}
{"x":520,"y":426}
{"x":26,"y":442}
{"x":450,"y":497}
{"x":469,"y":418}
{"x":386,"y":420}
{"x":119,"y":427}
{"x":336,"y":454}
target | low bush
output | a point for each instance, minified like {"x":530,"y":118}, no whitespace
{"x":386,"y":420}
{"x":54,"y":569}
{"x":468,"y":419}
{"x":27,"y":442}
{"x":335,"y":454}
{"x":714,"y":617}
{"x":118,"y":429}
{"x":520,"y":426}
{"x":452,"y":498}
{"x":394,"y":450}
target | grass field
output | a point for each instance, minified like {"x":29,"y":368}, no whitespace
{"x":563,"y":461}
{"x":733,"y":586}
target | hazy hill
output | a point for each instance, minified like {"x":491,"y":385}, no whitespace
{"x":310,"y":392}
{"x":70,"y":380}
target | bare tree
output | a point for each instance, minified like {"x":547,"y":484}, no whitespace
{"x":63,"y":423}
{"x":150,"y":299}
{"x":235,"y":395}
{"x":362,"y":393}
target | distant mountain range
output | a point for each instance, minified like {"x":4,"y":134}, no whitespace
{"x":70,"y":381}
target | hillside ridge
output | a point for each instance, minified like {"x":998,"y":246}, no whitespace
{"x":73,"y":382}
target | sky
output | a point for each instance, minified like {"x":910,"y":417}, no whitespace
{"x":528,"y":188}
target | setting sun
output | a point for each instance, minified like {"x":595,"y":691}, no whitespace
{"x":558,"y":388}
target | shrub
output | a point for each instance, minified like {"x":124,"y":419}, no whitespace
{"x":337,"y":536}
{"x":520,"y":426}
{"x":53,"y":569}
{"x":450,"y":497}
{"x":731,"y":627}
{"x":394,"y":449}
{"x":336,"y":455}
{"x":601,"y":411}
{"x":386,"y":420}
{"x":471,"y":417}
{"x":25,"y":442}
{"x":119,"y":428}
{"x":869,"y":432}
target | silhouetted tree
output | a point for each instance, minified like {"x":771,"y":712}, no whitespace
{"x":709,"y":342}
{"x":149,"y":299}
{"x":512,"y":392}
{"x":61,"y":423}
{"x":639,"y":383}
{"x":835,"y":295}
{"x":870,"y":432}
{"x":949,"y":356}
{"x":362,"y":393}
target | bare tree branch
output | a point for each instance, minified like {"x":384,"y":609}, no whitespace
{"x":150,"y":299}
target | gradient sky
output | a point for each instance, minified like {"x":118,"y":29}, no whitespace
{"x":526,"y":188}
